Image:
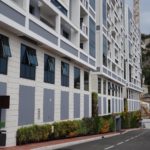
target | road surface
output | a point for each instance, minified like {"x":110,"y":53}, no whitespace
{"x":134,"y":140}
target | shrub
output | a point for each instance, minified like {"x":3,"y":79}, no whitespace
{"x":94,"y":104}
{"x":66,"y":129}
{"x":130,"y":119}
{"x":34,"y":133}
{"x":2,"y":125}
{"x":91,"y":125}
{"x":105,"y":126}
{"x":111,"y":124}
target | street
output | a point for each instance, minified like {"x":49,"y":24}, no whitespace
{"x":134,"y":140}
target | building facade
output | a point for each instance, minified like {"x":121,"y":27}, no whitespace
{"x":55,"y":53}
{"x":118,"y":75}
{"x":47,"y":52}
{"x":133,"y":57}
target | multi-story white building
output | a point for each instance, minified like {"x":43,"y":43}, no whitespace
{"x":112,"y":80}
{"x":47,"y":52}
{"x":110,"y":56}
{"x":133,"y":60}
{"x":54,"y":53}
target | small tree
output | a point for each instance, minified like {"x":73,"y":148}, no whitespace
{"x":94,"y":104}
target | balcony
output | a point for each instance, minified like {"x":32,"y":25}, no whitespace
{"x":44,"y":13}
{"x":20,"y":3}
{"x":84,"y":3}
{"x":69,"y":32}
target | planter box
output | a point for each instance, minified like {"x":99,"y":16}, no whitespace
{"x":2,"y":138}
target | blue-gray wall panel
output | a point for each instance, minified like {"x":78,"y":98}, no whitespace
{"x":3,"y":88}
{"x":113,"y":105}
{"x":12,"y":14}
{"x":99,"y":105}
{"x":92,"y":62}
{"x":116,"y":105}
{"x":48,"y":105}
{"x":68,"y":48}
{"x":26,"y":105}
{"x":42,"y":32}
{"x":86,"y":105}
{"x":3,"y":91}
{"x":64,"y":113}
{"x":83,"y":57}
{"x":104,"y":105}
{"x":76,"y":105}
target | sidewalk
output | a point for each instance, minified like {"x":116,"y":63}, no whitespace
{"x":50,"y":145}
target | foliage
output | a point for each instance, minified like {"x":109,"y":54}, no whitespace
{"x":65,"y":129}
{"x":94,"y":104}
{"x":126,"y":105}
{"x":34,"y":133}
{"x":130,"y":119}
{"x":144,"y":36}
{"x":2,"y":125}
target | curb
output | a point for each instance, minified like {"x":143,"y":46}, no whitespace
{"x":53,"y":147}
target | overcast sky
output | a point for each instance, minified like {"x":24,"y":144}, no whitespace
{"x":145,"y":15}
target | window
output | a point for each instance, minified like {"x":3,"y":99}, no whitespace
{"x":109,"y":106}
{"x":28,"y":62}
{"x":113,"y":67}
{"x":66,"y":34}
{"x":109,"y":88}
{"x":86,"y":81}
{"x":104,"y":13}
{"x":104,"y":87}
{"x":49,"y":69}
{"x":124,"y":69}
{"x":76,"y":78}
{"x":64,"y":74}
{"x":119,"y":90}
{"x":116,"y":89}
{"x":32,"y":9}
{"x":113,"y":90}
{"x":99,"y":85}
{"x":92,"y":29}
{"x":5,"y":52}
{"x":59,"y":6}
{"x":130,"y":73}
{"x":105,"y":50}
{"x":92,"y":3}
{"x":81,"y":45}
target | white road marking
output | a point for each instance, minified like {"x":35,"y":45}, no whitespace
{"x":127,"y":140}
{"x":120,"y":143}
{"x":109,"y":147}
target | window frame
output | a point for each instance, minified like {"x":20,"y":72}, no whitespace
{"x":99,"y":85}
{"x":49,"y":73}
{"x":5,"y":52}
{"x":65,"y":76}
{"x":27,"y":65}
{"x":78,"y":73}
{"x":86,"y":81}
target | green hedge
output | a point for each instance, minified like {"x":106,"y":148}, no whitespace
{"x":2,"y":125}
{"x":94,"y":104}
{"x":130,"y":119}
{"x":65,"y":129}
{"x":35,"y":133}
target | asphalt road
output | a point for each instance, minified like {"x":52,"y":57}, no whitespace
{"x":134,"y":140}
